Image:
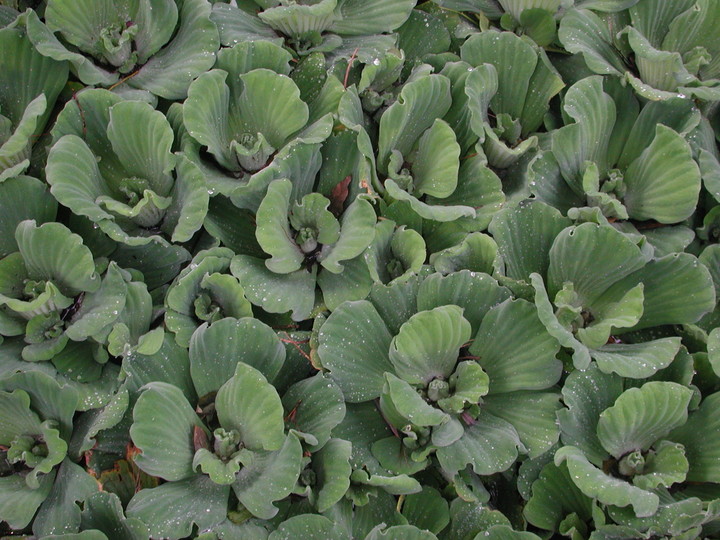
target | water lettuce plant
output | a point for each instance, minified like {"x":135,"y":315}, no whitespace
{"x":360,"y":269}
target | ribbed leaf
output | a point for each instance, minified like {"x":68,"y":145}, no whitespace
{"x":546,"y":314}
{"x":524,"y":235}
{"x":163,"y":430}
{"x":677,"y":290}
{"x":427,"y":345}
{"x":637,"y":360}
{"x":592,"y":258}
{"x":51,"y":252}
{"x":642,"y":416}
{"x":582,"y":31}
{"x":356,"y":233}
{"x":532,"y":414}
{"x":215,"y":351}
{"x":273,"y":229}
{"x":141,"y":138}
{"x":276,"y":293}
{"x":270,"y":104}
{"x":587,"y":394}
{"x":437,"y":162}
{"x":170,"y":509}
{"x":169,"y":72}
{"x":489,"y":445}
{"x":664,"y":182}
{"x":427,"y":510}
{"x":251,"y":406}
{"x":700,"y":435}
{"x":359,"y":17}
{"x":554,"y":496}
{"x":332,"y":467}
{"x":268,"y":477}
{"x":514,"y":60}
{"x":354,"y":346}
{"x":607,"y":489}
{"x":315,"y":406}
{"x":304,"y":526}
{"x":419,"y":104}
{"x":515,"y":350}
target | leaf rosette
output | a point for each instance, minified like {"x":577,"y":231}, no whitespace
{"x":155,"y":46}
{"x":316,"y":25}
{"x":304,"y":240}
{"x":441,"y":392}
{"x":24,"y":108}
{"x":244,"y":117}
{"x":232,"y":431}
{"x":112,"y":163}
{"x":35,"y":429}
{"x":52,"y":294}
{"x":672,"y":52}
{"x":618,"y":446}
{"x":508,"y":93}
{"x":204,"y":291}
{"x":619,"y":161}
{"x":591,"y":282}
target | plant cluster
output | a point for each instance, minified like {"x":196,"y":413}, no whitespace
{"x":360,"y":269}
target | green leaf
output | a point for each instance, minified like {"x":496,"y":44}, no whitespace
{"x":268,"y":477}
{"x":171,"y":509}
{"x":276,"y":293}
{"x":304,"y":526}
{"x":169,"y":364}
{"x":354,"y":345}
{"x":427,"y":510}
{"x":554,"y":496}
{"x":587,"y":394}
{"x":427,"y":345}
{"x":524,"y":235}
{"x":60,"y":513}
{"x":515,"y":350}
{"x":663,"y":183}
{"x":514,"y":60}
{"x":404,"y":400}
{"x":250,"y":405}
{"x":583,"y":32}
{"x":51,"y":252}
{"x":476,"y":293}
{"x":99,"y":308}
{"x":607,"y":489}
{"x":677,"y":290}
{"x":435,"y":212}
{"x":370,"y":17}
{"x":637,"y":360}
{"x":216,"y":350}
{"x":357,"y":228}
{"x":489,"y":444}
{"x":641,"y":416}
{"x":532,"y":414}
{"x":273,"y":230}
{"x":700,"y":435}
{"x":22,"y":198}
{"x":477,"y":252}
{"x":591,"y":257}
{"x":163,"y":430}
{"x":436,"y":165}
{"x":546,"y":313}
{"x":665,"y":466}
{"x":420,"y":103}
{"x":332,"y":468}
{"x":103,"y":512}
{"x":314,"y":406}
{"x":169,"y":72}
